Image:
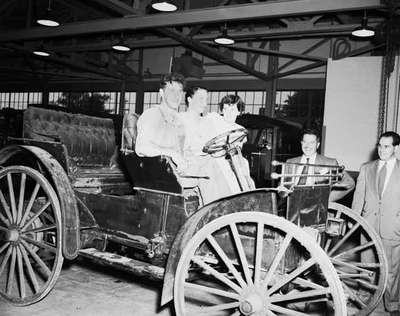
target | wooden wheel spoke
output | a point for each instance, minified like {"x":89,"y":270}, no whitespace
{"x":12,"y":197}
{"x":281,"y":252}
{"x":345,"y":237}
{"x":259,"y":251}
{"x":289,"y":277}
{"x":28,"y":264}
{"x":40,"y":244}
{"x":215,"y":308}
{"x":39,"y":261}
{"x":3,"y":229}
{"x":242,"y":255}
{"x":40,"y":229}
{"x":352,"y":276}
{"x":300,"y":295}
{"x":6,"y":207}
{"x":4,"y":220}
{"x":349,"y":264}
{"x":5,"y":259}
{"x":307,"y":283}
{"x":33,"y":218}
{"x":285,"y":311}
{"x":21,"y":276}
{"x":211,"y":290}
{"x":11,"y":271}
{"x":216,"y":274}
{"x":21,"y":197}
{"x":355,"y":249}
{"x":30,"y":204}
{"x":226,"y":260}
{"x":353,"y":297}
{"x":4,"y":247}
{"x":368,"y":285}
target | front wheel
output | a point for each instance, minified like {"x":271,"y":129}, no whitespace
{"x":30,"y":235}
{"x":252,"y":263}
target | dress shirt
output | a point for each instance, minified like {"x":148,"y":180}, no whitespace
{"x":310,"y":180}
{"x":389,"y":168}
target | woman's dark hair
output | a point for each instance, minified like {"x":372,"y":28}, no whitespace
{"x":191,"y":91}
{"x":170,"y":77}
{"x":232,"y":99}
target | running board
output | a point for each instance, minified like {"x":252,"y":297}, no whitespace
{"x":136,"y":267}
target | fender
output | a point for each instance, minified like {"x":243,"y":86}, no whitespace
{"x":65,"y":193}
{"x":261,"y":200}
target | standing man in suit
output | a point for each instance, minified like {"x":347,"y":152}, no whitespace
{"x":310,"y":141}
{"x":377,"y":199}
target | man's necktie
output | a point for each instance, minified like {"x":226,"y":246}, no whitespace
{"x":303,"y":179}
{"x":381,"y":179}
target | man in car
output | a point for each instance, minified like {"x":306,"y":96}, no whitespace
{"x":310,"y":142}
{"x":159,"y":129}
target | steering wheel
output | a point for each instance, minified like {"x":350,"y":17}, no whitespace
{"x":225,"y":142}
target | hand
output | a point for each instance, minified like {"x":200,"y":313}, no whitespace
{"x":340,"y":185}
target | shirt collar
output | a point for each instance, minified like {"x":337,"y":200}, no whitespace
{"x":312,"y":158}
{"x":389,"y":162}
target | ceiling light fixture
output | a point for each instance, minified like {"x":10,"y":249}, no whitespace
{"x":224,"y":38}
{"x":48,"y":18}
{"x":41,"y":51}
{"x":164,"y":5}
{"x":121,"y":46}
{"x":363,"y":30}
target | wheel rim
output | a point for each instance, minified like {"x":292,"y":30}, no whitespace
{"x":359,"y":259}
{"x":30,"y":235}
{"x":225,"y":269}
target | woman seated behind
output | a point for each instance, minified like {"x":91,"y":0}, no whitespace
{"x":129,"y":131}
{"x":198,"y":130}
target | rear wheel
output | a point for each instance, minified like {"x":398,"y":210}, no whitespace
{"x":357,"y":253}
{"x":252,"y":263}
{"x":30,"y":235}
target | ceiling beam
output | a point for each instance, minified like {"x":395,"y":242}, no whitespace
{"x":211,"y":53}
{"x":272,"y":52}
{"x":117,"y":6}
{"x":262,"y":10}
{"x":266,"y":34}
{"x":73,"y":64}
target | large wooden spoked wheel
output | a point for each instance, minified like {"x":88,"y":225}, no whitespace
{"x":30,"y":235}
{"x":253,"y":263}
{"x":359,"y":259}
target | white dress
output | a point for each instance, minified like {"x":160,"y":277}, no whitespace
{"x":222,"y":180}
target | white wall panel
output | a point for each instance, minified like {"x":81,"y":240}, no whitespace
{"x":351,"y":109}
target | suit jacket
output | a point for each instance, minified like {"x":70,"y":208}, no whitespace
{"x":383,"y":214}
{"x":347,"y":183}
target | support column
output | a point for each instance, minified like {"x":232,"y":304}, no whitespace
{"x":272,"y":84}
{"x":140,"y":86}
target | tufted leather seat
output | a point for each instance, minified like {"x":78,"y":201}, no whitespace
{"x":90,"y":141}
{"x":90,"y":144}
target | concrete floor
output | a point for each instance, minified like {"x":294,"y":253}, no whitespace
{"x":86,"y":289}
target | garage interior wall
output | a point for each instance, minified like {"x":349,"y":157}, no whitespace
{"x":351,"y":109}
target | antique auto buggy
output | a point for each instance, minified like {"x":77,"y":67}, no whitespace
{"x":63,"y":193}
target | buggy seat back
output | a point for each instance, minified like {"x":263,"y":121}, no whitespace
{"x":90,"y":141}
{"x":153,"y":173}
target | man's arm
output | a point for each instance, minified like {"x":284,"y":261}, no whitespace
{"x":359,"y":194}
{"x":147,"y":143}
{"x":343,"y":187}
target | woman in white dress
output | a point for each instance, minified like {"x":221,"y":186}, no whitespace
{"x":199,"y":129}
